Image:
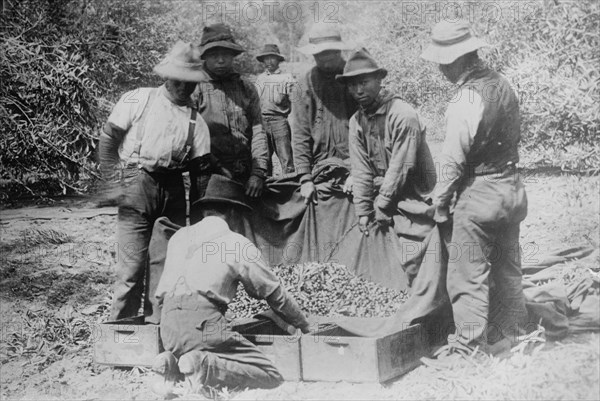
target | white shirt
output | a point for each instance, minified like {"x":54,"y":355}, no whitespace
{"x":165,"y":129}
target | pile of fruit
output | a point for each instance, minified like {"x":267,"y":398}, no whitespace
{"x":325,"y":290}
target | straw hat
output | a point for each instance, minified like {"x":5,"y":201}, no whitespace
{"x":323,"y":37}
{"x":182,"y":63}
{"x":449,"y":41}
{"x":221,"y":189}
{"x":270,"y":50}
{"x":218,"y":35}
{"x":360,"y":63}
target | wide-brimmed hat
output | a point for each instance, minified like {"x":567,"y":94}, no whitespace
{"x":270,"y":50}
{"x":218,"y":35}
{"x":360,"y":62}
{"x":221,"y":189}
{"x":323,"y":37}
{"x":182,"y":63}
{"x":449,"y":41}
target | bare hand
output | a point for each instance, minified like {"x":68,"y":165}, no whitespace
{"x":363,"y":223}
{"x":348,"y":185}
{"x":309,"y":192}
{"x":254,"y":186}
{"x":382,"y":218}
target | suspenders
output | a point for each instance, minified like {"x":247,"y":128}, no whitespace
{"x":179,"y":158}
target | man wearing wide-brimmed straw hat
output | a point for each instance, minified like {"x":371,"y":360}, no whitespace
{"x":231,"y":108}
{"x":151,"y":136}
{"x":201,"y":277}
{"x":323,"y":107}
{"x":275,"y":88}
{"x":479,"y":157}
{"x":392,"y":169}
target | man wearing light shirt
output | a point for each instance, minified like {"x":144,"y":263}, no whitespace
{"x":151,"y":136}
{"x":479,"y":158}
{"x":275,"y":88}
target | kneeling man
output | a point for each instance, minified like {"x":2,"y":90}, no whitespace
{"x":205,"y":263}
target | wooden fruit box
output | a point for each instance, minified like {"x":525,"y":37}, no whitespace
{"x":333,"y":354}
{"x":279,"y":346}
{"x":127,"y":342}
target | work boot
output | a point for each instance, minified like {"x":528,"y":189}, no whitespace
{"x":165,"y":366}
{"x":190,"y":365}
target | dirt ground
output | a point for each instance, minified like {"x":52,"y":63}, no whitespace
{"x":57,"y":265}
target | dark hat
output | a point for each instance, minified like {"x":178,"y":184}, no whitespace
{"x":218,"y":35}
{"x":221,"y":189}
{"x":360,"y":62}
{"x":324,"y":36}
{"x":182,"y":63}
{"x":270,"y":50}
{"x":449,"y":41}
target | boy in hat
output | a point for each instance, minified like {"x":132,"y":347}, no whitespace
{"x":151,"y":136}
{"x":391,"y":163}
{"x":274,"y":88}
{"x":323,"y":108}
{"x":231,"y":108}
{"x":205,"y":263}
{"x":480,"y":154}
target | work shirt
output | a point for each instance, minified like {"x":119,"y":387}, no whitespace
{"x":210,"y":259}
{"x":161,"y":134}
{"x":320,"y":117}
{"x":388,"y":140}
{"x":231,"y":108}
{"x":275,"y":90}
{"x":482,"y":131}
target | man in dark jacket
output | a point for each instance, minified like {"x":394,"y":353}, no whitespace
{"x":321,"y":111}
{"x":391,"y":164}
{"x":479,"y":157}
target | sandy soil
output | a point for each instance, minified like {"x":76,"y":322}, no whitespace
{"x":57,"y":265}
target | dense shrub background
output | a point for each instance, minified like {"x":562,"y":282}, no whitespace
{"x":63,"y":64}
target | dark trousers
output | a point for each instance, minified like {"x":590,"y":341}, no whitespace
{"x":280,"y":141}
{"x":484,"y":267}
{"x":146,"y":197}
{"x":191,"y":322}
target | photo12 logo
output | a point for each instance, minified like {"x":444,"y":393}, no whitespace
{"x":269,"y":11}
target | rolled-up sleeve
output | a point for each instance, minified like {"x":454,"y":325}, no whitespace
{"x":462,"y":120}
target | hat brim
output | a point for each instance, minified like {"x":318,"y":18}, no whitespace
{"x":171,"y":71}
{"x":343,"y":78}
{"x":224,"y":44}
{"x":222,"y":200}
{"x":263,"y":55}
{"x":312,"y":48}
{"x":448,"y":54}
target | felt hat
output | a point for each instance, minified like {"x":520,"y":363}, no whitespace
{"x":323,"y":37}
{"x":221,"y":189}
{"x":218,"y":35}
{"x":182,"y":63}
{"x":360,"y":62}
{"x":449,"y":41}
{"x":270,"y":50}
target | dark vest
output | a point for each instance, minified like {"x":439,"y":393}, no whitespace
{"x":496,"y":142}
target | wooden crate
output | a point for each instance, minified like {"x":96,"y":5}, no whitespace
{"x":280,"y":347}
{"x":333,"y":354}
{"x":127,"y":342}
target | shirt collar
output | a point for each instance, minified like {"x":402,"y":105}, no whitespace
{"x":277,"y":71}
{"x":210,"y":227}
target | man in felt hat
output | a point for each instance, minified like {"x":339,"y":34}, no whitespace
{"x":204,"y":265}
{"x":231,"y":108}
{"x":392,"y":167}
{"x":274,"y":88}
{"x":479,"y":157}
{"x":320,"y":114}
{"x":151,"y":136}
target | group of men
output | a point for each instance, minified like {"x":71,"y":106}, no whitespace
{"x":208,"y":120}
